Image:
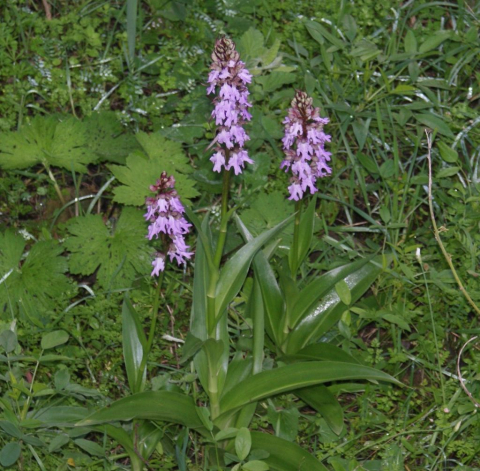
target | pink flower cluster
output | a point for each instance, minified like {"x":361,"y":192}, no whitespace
{"x":165,"y":214}
{"x":231,"y":107}
{"x":304,"y":141}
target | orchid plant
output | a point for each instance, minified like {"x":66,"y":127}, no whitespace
{"x":291,"y":320}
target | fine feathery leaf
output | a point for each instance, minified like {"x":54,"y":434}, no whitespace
{"x":37,"y":281}
{"x":144,"y":168}
{"x":57,"y":143}
{"x":120,"y":252}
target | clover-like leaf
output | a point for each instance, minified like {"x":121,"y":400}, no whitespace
{"x":35,"y":281}
{"x":47,"y":140}
{"x":108,"y":139}
{"x":119,"y":251}
{"x":144,"y":168}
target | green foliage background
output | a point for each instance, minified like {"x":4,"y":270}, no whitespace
{"x":76,"y":111}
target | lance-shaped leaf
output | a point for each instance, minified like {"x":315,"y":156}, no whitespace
{"x":134,"y":346}
{"x":234,"y":272}
{"x":320,"y":352}
{"x":285,"y":455}
{"x":296,"y":376}
{"x":46,"y":139}
{"x":271,"y":293}
{"x":309,"y":296}
{"x":325,"y":312}
{"x":153,"y":405}
{"x":324,"y":402}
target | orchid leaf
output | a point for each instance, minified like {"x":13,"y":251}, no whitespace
{"x":296,"y":376}
{"x":320,"y":311}
{"x":284,"y":455}
{"x":152,"y":405}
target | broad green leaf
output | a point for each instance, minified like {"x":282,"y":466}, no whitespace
{"x":343,"y":292}
{"x":92,"y":448}
{"x":152,"y":405}
{"x":319,"y":33}
{"x":270,"y":55}
{"x":435,"y":123}
{"x":320,"y":312}
{"x":204,"y":416}
{"x":144,"y":168}
{"x":320,"y":352}
{"x":239,"y":369}
{"x":54,"y":339}
{"x":360,"y":129}
{"x":447,"y":172}
{"x":58,"y":442}
{"x":296,"y":376}
{"x":120,"y":251}
{"x":433,"y":41}
{"x":275,"y":80}
{"x":369,"y":163}
{"x":284,"y":422}
{"x":266,"y":211}
{"x":255,"y":465}
{"x":10,"y":454}
{"x":234,"y":272}
{"x":324,"y":402}
{"x":35,"y":283}
{"x":271,"y":293}
{"x":149,"y":436}
{"x":243,"y":443}
{"x":134,"y":345}
{"x":46,"y":139}
{"x":124,"y":439}
{"x":61,"y":379}
{"x":447,"y":153}
{"x":10,"y":429}
{"x":308,"y":297}
{"x":60,"y":416}
{"x":284,"y":455}
{"x":365,"y":50}
{"x":410,"y":42}
{"x":8,"y":340}
{"x":191,"y":346}
{"x":250,"y":45}
{"x":108,"y":138}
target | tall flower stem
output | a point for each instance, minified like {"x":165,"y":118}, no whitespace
{"x":296,"y":238}
{"x":151,"y":333}
{"x":224,"y":217}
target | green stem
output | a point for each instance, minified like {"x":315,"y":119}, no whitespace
{"x":296,"y":237}
{"x":54,"y":181}
{"x":151,"y":334}
{"x":222,"y":236}
{"x":258,"y":328}
{"x":29,"y":398}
